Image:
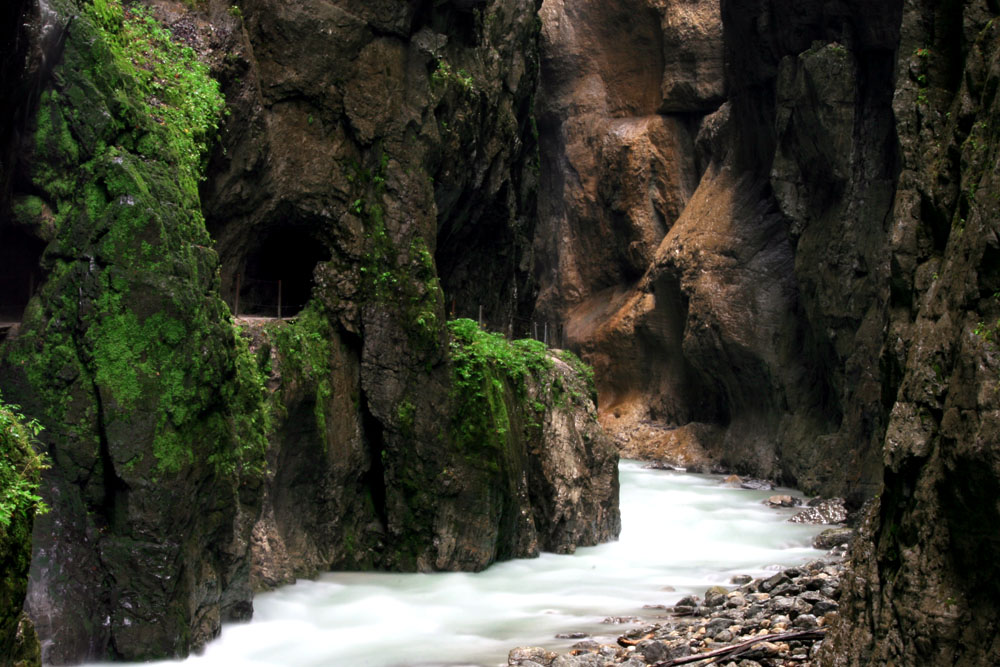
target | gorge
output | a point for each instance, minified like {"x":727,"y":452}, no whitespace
{"x":769,"y":226}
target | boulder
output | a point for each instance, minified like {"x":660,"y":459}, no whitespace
{"x":823,"y":511}
{"x":832,"y":537}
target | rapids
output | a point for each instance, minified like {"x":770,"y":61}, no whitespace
{"x":681,"y":533}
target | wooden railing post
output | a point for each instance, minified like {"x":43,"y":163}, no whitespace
{"x":236,"y":299}
{"x":279,"y":299}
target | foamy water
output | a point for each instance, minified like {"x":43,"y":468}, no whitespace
{"x":680,"y":534}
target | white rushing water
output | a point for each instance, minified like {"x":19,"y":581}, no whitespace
{"x":680,"y":534}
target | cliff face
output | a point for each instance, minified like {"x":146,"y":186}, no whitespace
{"x":375,"y":159}
{"x":798,"y":278}
{"x":390,"y":146}
{"x":724,"y":265}
{"x":923,"y":588}
{"x":125,"y":353}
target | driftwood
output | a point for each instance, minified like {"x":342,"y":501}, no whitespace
{"x":625,"y":642}
{"x":736,"y":649}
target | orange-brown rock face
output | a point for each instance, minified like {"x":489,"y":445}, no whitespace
{"x":814,"y":296}
{"x":618,"y":127}
{"x":621,"y":169}
{"x":700,"y":200}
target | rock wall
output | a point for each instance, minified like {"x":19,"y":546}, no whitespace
{"x":377,"y":162}
{"x":522,"y":464}
{"x":923,"y":578}
{"x":397,"y":139}
{"x":126,"y":354}
{"x":732,"y":292}
{"x":818,"y":303}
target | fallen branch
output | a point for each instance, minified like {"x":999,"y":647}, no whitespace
{"x":626,"y":642}
{"x":742,"y":647}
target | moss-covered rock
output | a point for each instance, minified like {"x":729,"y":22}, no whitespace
{"x":399,"y":138}
{"x":153,"y":407}
{"x":519,"y":463}
{"x":396,"y":137}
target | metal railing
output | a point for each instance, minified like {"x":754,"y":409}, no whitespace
{"x":262,"y":298}
{"x":550,"y":332}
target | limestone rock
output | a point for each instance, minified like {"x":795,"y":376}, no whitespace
{"x":922,"y":587}
{"x":783,"y":501}
{"x":704,"y":321}
{"x":530,"y":657}
{"x":376,"y":156}
{"x":831,"y":510}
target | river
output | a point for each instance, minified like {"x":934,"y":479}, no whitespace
{"x":681,"y":533}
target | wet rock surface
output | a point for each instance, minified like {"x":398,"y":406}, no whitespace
{"x":718,"y":312}
{"x":825,"y":297}
{"x":923,"y":582}
{"x":770,"y":622}
{"x":822,"y":511}
{"x":374,"y":158}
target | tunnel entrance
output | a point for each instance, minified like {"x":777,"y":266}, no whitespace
{"x":20,"y":275}
{"x":277,"y":275}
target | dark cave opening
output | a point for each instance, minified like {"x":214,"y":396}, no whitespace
{"x":20,"y":273}
{"x":456,"y":18}
{"x":277,"y":276}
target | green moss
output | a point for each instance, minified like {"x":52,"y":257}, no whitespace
{"x":486,"y":369}
{"x":305,"y":350}
{"x":405,"y":414}
{"x":130,"y":310}
{"x":28,"y":209}
{"x":583,"y":370}
{"x":445,"y":75}
{"x":405,"y":281}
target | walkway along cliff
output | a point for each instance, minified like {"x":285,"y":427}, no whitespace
{"x":770,"y":226}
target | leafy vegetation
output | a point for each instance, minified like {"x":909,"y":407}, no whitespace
{"x":444,"y":74}
{"x":20,"y":466}
{"x":20,"y":471}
